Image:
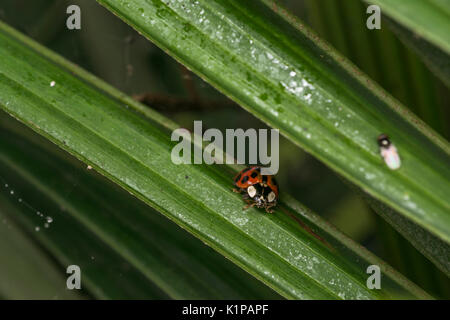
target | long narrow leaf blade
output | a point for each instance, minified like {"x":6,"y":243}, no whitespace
{"x":281,"y":72}
{"x":427,"y":19}
{"x":135,"y":153}
{"x":26,"y":271}
{"x":107,"y":232}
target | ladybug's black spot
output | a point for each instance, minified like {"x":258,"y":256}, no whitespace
{"x":258,"y":189}
{"x":254,"y":175}
{"x":266,"y":191}
{"x":264,"y":179}
{"x":244,"y":179}
{"x":274,"y":182}
{"x":245,"y":170}
{"x":237,"y":178}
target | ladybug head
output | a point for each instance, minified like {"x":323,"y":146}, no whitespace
{"x":262,"y":195}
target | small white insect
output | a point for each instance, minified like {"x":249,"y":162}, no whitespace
{"x":389,"y":152}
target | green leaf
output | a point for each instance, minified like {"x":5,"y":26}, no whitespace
{"x":436,"y":250}
{"x":377,"y":52}
{"x":437,"y":60}
{"x":90,"y":229}
{"x":26,"y":271}
{"x":427,"y":19}
{"x":135,"y":152}
{"x":282,"y":73}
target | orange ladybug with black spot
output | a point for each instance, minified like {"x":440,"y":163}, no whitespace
{"x":257,"y":190}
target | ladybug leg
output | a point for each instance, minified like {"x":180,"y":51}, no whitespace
{"x":236,"y":190}
{"x":269,"y":208}
{"x":250,"y":204}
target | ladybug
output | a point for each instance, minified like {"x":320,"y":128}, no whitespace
{"x":257,"y":190}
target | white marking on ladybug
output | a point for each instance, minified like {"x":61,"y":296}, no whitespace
{"x":389,"y":152}
{"x":251,"y":191}
{"x":271,"y":196}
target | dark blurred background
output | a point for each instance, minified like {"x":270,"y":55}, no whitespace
{"x":113,"y":51}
